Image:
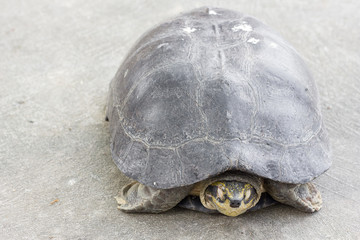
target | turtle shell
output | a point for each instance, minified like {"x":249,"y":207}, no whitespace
{"x":210,"y":91}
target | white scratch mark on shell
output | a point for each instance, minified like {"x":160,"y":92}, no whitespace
{"x":163,"y":44}
{"x":273,"y":45}
{"x":126,"y":72}
{"x":253,"y":40}
{"x":228,"y":115}
{"x":244,"y":26}
{"x":189,"y":29}
{"x":212,"y":12}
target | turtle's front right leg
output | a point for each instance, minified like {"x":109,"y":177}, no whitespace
{"x":136,"y":197}
{"x":304,"y":197}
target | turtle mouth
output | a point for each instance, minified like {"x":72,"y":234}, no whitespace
{"x":231,"y":198}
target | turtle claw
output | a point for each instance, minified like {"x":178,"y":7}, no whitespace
{"x":120,"y":200}
{"x":309,"y":197}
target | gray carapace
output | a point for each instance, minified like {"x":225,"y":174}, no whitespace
{"x":212,"y":91}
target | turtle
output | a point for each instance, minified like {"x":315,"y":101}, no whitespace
{"x":214,"y":111}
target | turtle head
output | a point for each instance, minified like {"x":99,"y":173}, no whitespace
{"x":231,"y":198}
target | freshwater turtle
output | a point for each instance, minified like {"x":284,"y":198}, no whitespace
{"x":214,"y":111}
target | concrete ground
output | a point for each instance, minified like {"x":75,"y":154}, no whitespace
{"x":57,"y":178}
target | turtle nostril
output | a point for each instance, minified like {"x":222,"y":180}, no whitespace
{"x":235,"y":203}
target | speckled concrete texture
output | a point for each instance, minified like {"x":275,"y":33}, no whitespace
{"x":57,"y":178}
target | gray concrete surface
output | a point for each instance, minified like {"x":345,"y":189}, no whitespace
{"x":57,"y":179}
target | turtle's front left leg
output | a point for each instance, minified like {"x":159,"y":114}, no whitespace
{"x":136,"y":197}
{"x":304,"y":197}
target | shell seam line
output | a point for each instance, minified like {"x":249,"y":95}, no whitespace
{"x":248,"y":65}
{"x":177,"y":146}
